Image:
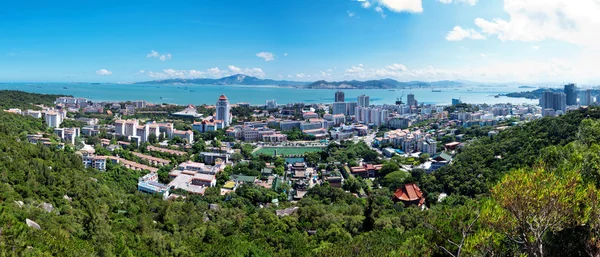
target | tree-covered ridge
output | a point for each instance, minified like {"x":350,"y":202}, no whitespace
{"x":547,"y":170}
{"x":25,"y":100}
{"x":483,"y":162}
{"x":17,"y":124}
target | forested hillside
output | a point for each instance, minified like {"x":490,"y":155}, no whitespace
{"x":485,"y":161}
{"x":24,"y":101}
{"x":530,"y":190}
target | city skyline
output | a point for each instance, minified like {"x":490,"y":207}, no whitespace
{"x":488,"y":41}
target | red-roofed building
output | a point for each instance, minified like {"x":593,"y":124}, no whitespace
{"x":452,"y":146}
{"x":409,"y":194}
{"x":366,"y":170}
{"x":309,"y":115}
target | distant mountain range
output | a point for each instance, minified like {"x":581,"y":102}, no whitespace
{"x":240,"y":79}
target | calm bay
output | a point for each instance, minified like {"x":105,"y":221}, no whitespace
{"x":256,"y":95}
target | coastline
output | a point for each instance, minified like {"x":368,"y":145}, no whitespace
{"x":257,"y":95}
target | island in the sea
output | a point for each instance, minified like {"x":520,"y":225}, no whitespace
{"x":526,"y":87}
{"x":537,"y":94}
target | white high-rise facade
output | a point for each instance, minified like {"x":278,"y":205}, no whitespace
{"x":363,"y":100}
{"x":53,"y":119}
{"x":339,"y":108}
{"x":223,"y":110}
{"x":270,"y":104}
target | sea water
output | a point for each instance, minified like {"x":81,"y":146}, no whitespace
{"x":257,"y":95}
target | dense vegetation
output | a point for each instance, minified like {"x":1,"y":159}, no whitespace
{"x":486,"y":160}
{"x":532,"y":189}
{"x":24,"y":100}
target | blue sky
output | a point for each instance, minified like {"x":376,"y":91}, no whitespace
{"x":122,"y":41}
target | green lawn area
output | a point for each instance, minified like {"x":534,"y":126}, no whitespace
{"x":287,"y":150}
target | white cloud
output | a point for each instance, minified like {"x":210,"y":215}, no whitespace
{"x":214,"y":72}
{"x":325,"y":74}
{"x":165,"y":57}
{"x":195,"y":74}
{"x":142,"y":71}
{"x":355,"y":69}
{"x":396,"y":67}
{"x":256,"y":72}
{"x":103,"y":72}
{"x":469,"y":2}
{"x":285,"y":54}
{"x":536,"y":20}
{"x":483,"y":55}
{"x":380,"y":10}
{"x":535,"y":47}
{"x":413,"y":6}
{"x":175,"y":73}
{"x":350,"y":14}
{"x":290,"y":76}
{"x":152,"y":54}
{"x":579,"y":68}
{"x":402,"y":5}
{"x":162,"y":57}
{"x":459,"y":33}
{"x":300,"y":75}
{"x":266,"y":55}
{"x":234,"y":69}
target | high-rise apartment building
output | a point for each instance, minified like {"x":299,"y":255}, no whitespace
{"x":571,"y":94}
{"x":339,"y":108}
{"x":363,"y":100}
{"x":350,"y":108}
{"x":585,"y":97}
{"x":223,"y":110}
{"x":554,"y":101}
{"x":53,"y":119}
{"x":410,"y":100}
{"x":339,"y":96}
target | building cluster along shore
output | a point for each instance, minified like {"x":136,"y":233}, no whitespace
{"x":148,"y":137}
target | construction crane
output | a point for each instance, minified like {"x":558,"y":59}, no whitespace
{"x":399,"y":99}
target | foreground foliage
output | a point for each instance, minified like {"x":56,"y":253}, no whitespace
{"x":540,"y":198}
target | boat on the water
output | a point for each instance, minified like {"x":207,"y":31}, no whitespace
{"x":436,"y":90}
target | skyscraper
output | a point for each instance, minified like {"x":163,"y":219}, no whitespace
{"x":223,"y":110}
{"x":363,"y":100}
{"x":410,"y":100}
{"x":546,"y":100}
{"x":339,"y":96}
{"x":350,"y":108}
{"x":585,"y":97}
{"x":571,"y":94}
{"x":560,"y":102}
{"x":339,"y":108}
{"x":554,"y":101}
